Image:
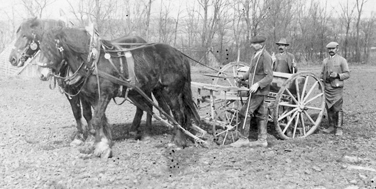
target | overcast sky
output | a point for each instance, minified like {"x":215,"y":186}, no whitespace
{"x":52,"y":11}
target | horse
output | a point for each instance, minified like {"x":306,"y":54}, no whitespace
{"x":157,"y":67}
{"x":27,"y":45}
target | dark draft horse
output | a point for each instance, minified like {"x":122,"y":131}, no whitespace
{"x":158,"y":67}
{"x":27,"y":45}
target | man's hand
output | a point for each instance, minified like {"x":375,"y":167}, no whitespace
{"x":254,"y":87}
{"x":334,"y":75}
{"x":273,"y":57}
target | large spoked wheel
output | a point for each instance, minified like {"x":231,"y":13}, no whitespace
{"x":228,"y":72}
{"x":299,"y":106}
{"x":227,"y":103}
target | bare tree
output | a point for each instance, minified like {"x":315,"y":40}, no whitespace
{"x":164,"y":29}
{"x":147,"y":23}
{"x":177,"y":24}
{"x":359,"y":8}
{"x":210,"y":23}
{"x":368,"y":25}
{"x":279,"y":19}
{"x":346,"y":18}
{"x":96,"y":11}
{"x":35,"y":8}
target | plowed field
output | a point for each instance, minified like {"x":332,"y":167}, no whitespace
{"x":36,"y":127}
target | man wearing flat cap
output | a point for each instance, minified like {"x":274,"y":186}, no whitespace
{"x":284,"y":61}
{"x":334,"y":71}
{"x":259,"y":76}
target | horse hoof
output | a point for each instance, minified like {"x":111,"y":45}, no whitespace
{"x":76,"y":142}
{"x":173,"y":146}
{"x":90,"y":140}
{"x":102,"y":149}
{"x":86,"y":149}
{"x":133,"y":133}
{"x":146,"y":138}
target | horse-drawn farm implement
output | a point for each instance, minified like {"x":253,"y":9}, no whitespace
{"x":295,"y":103}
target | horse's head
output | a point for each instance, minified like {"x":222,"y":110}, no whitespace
{"x":26,"y":43}
{"x":27,"y":39}
{"x":60,"y":46}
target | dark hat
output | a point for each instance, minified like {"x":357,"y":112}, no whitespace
{"x":332,"y":45}
{"x":258,"y":39}
{"x":283,"y":41}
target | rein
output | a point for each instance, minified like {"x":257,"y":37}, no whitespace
{"x":67,"y":79}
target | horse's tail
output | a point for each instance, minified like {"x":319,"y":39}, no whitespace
{"x":188,"y":102}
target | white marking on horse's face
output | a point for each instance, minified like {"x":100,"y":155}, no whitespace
{"x":45,"y":72}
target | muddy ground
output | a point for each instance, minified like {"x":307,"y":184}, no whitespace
{"x":36,"y":127}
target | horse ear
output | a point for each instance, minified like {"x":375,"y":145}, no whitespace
{"x":34,"y":22}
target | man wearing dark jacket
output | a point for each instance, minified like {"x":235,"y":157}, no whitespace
{"x":284,"y":61}
{"x":259,"y":76}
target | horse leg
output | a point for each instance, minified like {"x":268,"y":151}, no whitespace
{"x":177,"y":108}
{"x":141,"y":105}
{"x":103,"y":135}
{"x":86,"y":109}
{"x":158,"y":94}
{"x":135,"y":128}
{"x":76,"y":109}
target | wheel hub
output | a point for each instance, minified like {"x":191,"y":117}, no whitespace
{"x":301,"y":107}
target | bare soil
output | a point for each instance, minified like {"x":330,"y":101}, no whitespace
{"x":36,"y":127}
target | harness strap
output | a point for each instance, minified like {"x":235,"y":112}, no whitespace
{"x":130,"y":63}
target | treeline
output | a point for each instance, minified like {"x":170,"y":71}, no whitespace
{"x":225,"y":27}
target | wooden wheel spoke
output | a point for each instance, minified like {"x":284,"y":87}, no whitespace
{"x":310,"y":91}
{"x":313,"y":108}
{"x":228,"y":80}
{"x":289,"y":122}
{"x":304,"y":87}
{"x":296,"y":124}
{"x":221,"y":133}
{"x":297,"y":89}
{"x":292,"y":96}
{"x":309,"y":117}
{"x":288,"y":105}
{"x":312,"y":99}
{"x":224,"y":139}
{"x":284,"y":112}
{"x":287,"y":114}
{"x":303,"y":124}
{"x":234,"y":70}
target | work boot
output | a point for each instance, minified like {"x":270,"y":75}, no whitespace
{"x":339,"y":120}
{"x":243,"y":134}
{"x":242,"y":141}
{"x":331,"y":127}
{"x":261,"y":138}
{"x":329,"y":130}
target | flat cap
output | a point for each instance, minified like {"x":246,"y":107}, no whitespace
{"x":258,"y":39}
{"x":332,"y":45}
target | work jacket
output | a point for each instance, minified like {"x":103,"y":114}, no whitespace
{"x":336,"y":64}
{"x":284,"y":63}
{"x":334,"y":86}
{"x":262,"y":74}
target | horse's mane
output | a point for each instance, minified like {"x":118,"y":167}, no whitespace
{"x":72,"y":40}
{"x":38,"y":26}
